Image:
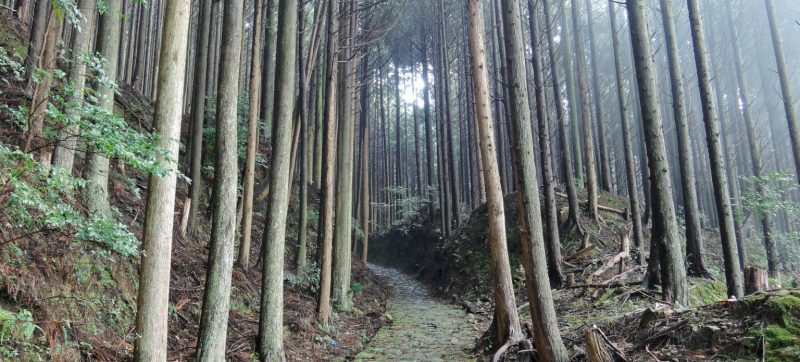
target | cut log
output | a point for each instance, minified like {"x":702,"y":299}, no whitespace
{"x":623,"y":213}
{"x":581,"y":253}
{"x":610,"y":264}
{"x":755,"y":280}
{"x":570,"y":280}
{"x":596,"y":348}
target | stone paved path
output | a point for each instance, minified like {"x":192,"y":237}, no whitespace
{"x":423,"y":329}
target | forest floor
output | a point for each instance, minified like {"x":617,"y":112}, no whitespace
{"x":764,"y":326}
{"x":422,"y":328}
{"x":78,"y":300}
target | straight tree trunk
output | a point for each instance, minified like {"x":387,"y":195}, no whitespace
{"x":329,"y":168}
{"x":755,"y":145}
{"x":733,"y":276}
{"x":365,"y":170}
{"x":153,"y":294}
{"x":270,"y":327}
{"x":665,"y":225}
{"x":573,"y":103}
{"x":252,"y":139}
{"x":786,"y":87}
{"x":508,"y":326}
{"x":268,"y":80}
{"x":586,"y":114}
{"x":33,"y":138}
{"x":344,"y":165}
{"x":694,"y":237}
{"x":64,"y":155}
{"x":566,"y":152}
{"x":216,"y":298}
{"x":548,"y":341}
{"x":630,"y":163}
{"x":36,"y":39}
{"x":301,"y":108}
{"x":95,"y":193}
{"x":553,"y":242}
{"x":606,"y":182}
{"x":197,"y":114}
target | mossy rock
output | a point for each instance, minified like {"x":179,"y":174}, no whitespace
{"x":780,"y":335}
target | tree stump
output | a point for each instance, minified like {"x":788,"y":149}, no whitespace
{"x":570,"y":280}
{"x":755,"y":280}
{"x":596,"y":348}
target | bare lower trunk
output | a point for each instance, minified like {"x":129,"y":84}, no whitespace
{"x":508,"y":327}
{"x":216,"y":298}
{"x":153,"y":298}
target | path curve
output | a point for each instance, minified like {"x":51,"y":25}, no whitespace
{"x":423,"y":329}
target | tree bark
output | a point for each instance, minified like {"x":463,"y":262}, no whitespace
{"x":252,"y":139}
{"x":64,"y":155}
{"x":153,"y":294}
{"x":733,"y":277}
{"x":786,"y":87}
{"x":197,"y":114}
{"x":270,"y":327}
{"x":548,"y":341}
{"x":508,"y":327}
{"x":216,"y":298}
{"x":694,"y":237}
{"x":95,"y":193}
{"x":627,"y":140}
{"x":606,"y":182}
{"x":665,"y":226}
{"x":566,"y":151}
{"x":553,"y":241}
{"x":329,"y":167}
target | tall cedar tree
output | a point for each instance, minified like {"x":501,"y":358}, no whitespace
{"x":216,"y":298}
{"x":508,"y":326}
{"x":152,"y":303}
{"x":733,"y":276}
{"x":665,"y":225}
{"x":548,"y":341}
{"x":270,"y":326}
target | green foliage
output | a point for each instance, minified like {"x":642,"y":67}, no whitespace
{"x":770,"y":195}
{"x":42,"y":199}
{"x":356,"y":287}
{"x":10,"y":65}
{"x":16,"y":331}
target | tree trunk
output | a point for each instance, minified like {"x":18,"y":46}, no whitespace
{"x":365,"y":171}
{"x":606,"y":182}
{"x":153,"y":297}
{"x":64,"y":156}
{"x":508,"y":327}
{"x":548,"y":183}
{"x":268,"y":80}
{"x":301,"y":108}
{"x":38,"y":29}
{"x":733,"y":276}
{"x":329,"y":168}
{"x":33,"y":138}
{"x":548,"y":341}
{"x":786,"y":87}
{"x":197,"y":114}
{"x":627,"y":140}
{"x":252,"y":139}
{"x":344,"y":165}
{"x":691,"y":213}
{"x":95,"y":193}
{"x":755,"y":145}
{"x":566,"y":151}
{"x":216,"y":298}
{"x":270,"y":327}
{"x":665,"y":226}
{"x":586,"y":114}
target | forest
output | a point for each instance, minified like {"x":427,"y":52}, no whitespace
{"x":399,"y":180}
